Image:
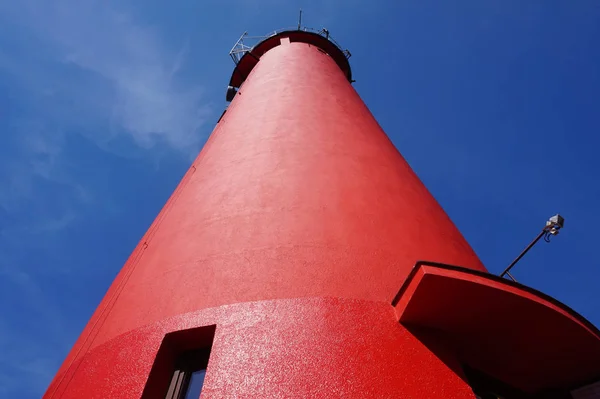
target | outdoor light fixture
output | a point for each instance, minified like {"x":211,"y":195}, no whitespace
{"x":553,"y":226}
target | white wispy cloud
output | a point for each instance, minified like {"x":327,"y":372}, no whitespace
{"x":141,"y":94}
{"x":90,"y":67}
{"x":37,"y":151}
{"x":79,"y":67}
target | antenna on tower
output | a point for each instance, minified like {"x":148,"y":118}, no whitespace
{"x":300,"y":20}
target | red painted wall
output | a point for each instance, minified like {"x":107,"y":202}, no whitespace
{"x":298,"y":193}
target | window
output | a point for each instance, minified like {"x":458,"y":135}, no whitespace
{"x":188,"y":377}
{"x":180,"y":364}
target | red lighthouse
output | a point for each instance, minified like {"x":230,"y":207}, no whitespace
{"x":301,"y":257}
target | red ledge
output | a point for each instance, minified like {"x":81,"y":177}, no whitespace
{"x":512,"y":332}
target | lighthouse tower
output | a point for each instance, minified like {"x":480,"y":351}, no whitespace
{"x":301,"y":257}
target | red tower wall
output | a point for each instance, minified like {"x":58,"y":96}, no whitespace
{"x":292,"y":232}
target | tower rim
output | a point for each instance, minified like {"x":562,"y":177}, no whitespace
{"x":246,"y":57}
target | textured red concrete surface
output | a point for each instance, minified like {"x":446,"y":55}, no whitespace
{"x":297,"y":193}
{"x":294,"y":348}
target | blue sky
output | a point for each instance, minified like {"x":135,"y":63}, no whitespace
{"x":103,"y":104}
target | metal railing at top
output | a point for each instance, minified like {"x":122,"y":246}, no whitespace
{"x":246,"y":43}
